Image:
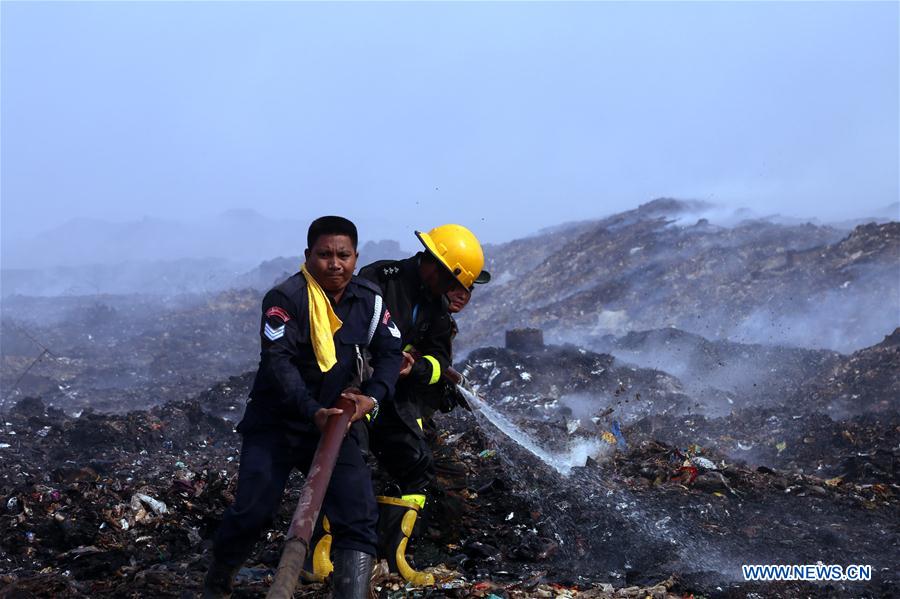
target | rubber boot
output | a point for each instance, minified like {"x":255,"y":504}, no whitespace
{"x":219,"y":580}
{"x":396,"y":519}
{"x":352,"y":574}
{"x":318,"y":564}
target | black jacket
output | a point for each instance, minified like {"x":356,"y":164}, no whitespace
{"x":423,"y":319}
{"x":289,"y":387}
{"x":425,"y":325}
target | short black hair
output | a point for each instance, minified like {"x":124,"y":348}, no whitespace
{"x":331,"y":225}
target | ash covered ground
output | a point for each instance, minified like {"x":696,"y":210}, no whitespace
{"x":642,"y":460}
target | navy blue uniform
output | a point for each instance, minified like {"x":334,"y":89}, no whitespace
{"x":398,"y":438}
{"x":278,"y":429}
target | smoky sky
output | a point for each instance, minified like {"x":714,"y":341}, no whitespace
{"x":506,"y":117}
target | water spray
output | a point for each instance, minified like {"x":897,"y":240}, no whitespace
{"x":561,"y":462}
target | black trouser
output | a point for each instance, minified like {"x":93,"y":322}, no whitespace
{"x":400,"y":446}
{"x":266,"y":462}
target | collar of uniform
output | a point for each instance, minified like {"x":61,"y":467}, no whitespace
{"x":411,"y":274}
{"x":351,"y":290}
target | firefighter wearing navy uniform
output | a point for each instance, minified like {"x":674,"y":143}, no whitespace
{"x":415,"y":292}
{"x":314,"y":328}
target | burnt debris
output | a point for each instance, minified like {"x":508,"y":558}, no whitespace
{"x":525,"y":340}
{"x":664,"y":501}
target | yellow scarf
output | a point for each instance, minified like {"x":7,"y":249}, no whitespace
{"x":323,"y":323}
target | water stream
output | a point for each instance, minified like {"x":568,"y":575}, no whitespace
{"x":563,"y":463}
{"x":655,"y":524}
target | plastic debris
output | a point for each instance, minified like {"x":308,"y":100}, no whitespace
{"x":450,"y":440}
{"x":686,"y":474}
{"x":487,"y":453}
{"x":245,"y":575}
{"x":157,"y":506}
{"x":703,"y":463}
{"x":620,"y":438}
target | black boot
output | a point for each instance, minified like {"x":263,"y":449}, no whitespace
{"x":396,"y":520}
{"x":219,"y":581}
{"x":352,"y":574}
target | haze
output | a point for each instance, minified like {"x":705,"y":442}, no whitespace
{"x":507,"y":117}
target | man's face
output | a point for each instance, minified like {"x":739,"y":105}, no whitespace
{"x":459,"y":296}
{"x":331,"y":261}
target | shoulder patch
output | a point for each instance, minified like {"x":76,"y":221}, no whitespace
{"x":273,"y":333}
{"x":381,"y":270}
{"x":276,"y":312}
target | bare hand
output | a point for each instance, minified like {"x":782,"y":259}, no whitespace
{"x":363,"y":403}
{"x":321,"y":417}
{"x":406,"y":366}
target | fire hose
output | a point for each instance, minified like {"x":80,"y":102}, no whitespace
{"x":459,"y":380}
{"x":296,"y":545}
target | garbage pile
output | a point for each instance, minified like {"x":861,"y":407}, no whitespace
{"x":750,"y":373}
{"x":675,"y":490}
{"x":120,"y":353}
{"x":842,"y":421}
{"x":124,"y":505}
{"x":643,"y":460}
{"x":658,"y":266}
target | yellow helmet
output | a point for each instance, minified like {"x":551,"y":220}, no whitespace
{"x":456,"y":248}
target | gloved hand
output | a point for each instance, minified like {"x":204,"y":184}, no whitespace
{"x":453,"y":395}
{"x":458,"y":396}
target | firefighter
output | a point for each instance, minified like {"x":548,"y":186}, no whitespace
{"x":449,"y":396}
{"x":415,"y":290}
{"x":314,"y":327}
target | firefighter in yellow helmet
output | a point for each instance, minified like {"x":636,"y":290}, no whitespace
{"x":415,"y":292}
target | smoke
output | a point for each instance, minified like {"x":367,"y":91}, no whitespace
{"x":715,"y":214}
{"x":857,"y":314}
{"x":158,"y":256}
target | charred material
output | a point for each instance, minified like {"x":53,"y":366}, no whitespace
{"x":525,"y":340}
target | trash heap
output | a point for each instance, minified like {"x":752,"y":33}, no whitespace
{"x":124,"y":505}
{"x":669,"y":502}
{"x":121,"y":353}
{"x":659,"y":265}
{"x":792,"y":479}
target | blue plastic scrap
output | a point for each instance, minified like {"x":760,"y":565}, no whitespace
{"x":617,"y":433}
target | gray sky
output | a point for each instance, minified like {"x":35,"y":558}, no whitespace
{"x":506,"y":117}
